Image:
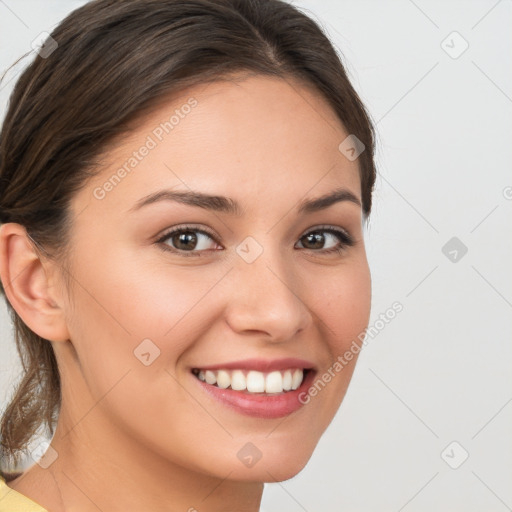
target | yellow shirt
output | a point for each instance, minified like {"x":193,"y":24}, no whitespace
{"x":13,"y":501}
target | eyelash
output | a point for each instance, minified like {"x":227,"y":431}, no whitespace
{"x":345,"y":239}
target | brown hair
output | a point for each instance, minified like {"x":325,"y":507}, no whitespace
{"x":115,"y":60}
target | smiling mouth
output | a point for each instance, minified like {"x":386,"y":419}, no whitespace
{"x":254,"y":382}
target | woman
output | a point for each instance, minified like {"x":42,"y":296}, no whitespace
{"x":184,"y":191}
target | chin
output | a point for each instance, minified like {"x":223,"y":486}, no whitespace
{"x":282,"y":472}
{"x":275,"y":470}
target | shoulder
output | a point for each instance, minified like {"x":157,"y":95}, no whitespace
{"x":13,"y":501}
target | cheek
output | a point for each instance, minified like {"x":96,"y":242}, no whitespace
{"x":345,"y":305}
{"x":123,"y":301}
{"x":343,"y":310}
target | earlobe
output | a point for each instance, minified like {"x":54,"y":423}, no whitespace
{"x":26,"y":279}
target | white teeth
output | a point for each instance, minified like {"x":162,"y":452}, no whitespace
{"x":238,"y":381}
{"x":287,"y":380}
{"x":274,"y":382}
{"x":253,"y":381}
{"x":210,"y":377}
{"x":223,"y":379}
{"x":297,"y":379}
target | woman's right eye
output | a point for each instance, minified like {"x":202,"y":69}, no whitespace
{"x":189,"y":240}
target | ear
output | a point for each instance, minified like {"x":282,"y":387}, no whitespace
{"x":29,"y":284}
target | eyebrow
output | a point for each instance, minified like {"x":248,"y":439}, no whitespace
{"x":229,"y":206}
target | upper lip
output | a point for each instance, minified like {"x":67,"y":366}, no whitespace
{"x":261,"y":365}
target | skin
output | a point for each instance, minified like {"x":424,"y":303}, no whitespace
{"x":132,"y":437}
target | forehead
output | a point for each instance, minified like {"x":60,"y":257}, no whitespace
{"x":257,"y":136}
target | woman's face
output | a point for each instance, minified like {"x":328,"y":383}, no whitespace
{"x":235,"y":284}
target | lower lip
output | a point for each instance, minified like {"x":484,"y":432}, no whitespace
{"x":260,"y":405}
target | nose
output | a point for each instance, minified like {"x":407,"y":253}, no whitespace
{"x":265,"y":298}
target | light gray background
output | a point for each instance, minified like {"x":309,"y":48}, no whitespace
{"x":441,"y":370}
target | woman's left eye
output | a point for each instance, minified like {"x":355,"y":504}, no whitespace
{"x":192,"y":240}
{"x":317,"y":237}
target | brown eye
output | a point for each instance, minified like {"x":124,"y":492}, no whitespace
{"x":187,"y":240}
{"x":335,"y":239}
{"x":315,"y":240}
